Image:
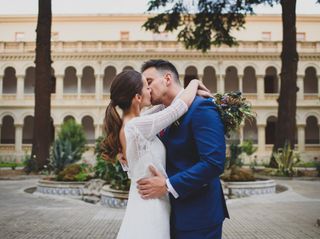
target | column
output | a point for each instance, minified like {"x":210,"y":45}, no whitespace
{"x":200,"y":77}
{"x":99,"y":87}
{"x":18,"y":138}
{"x":240,"y":79}
{"x":260,"y":87}
{"x":301,"y":138}
{"x":0,"y":131}
{"x":59,"y":87}
{"x":79,"y":87}
{"x":318,"y":86}
{"x":220,"y":85}
{"x":181,"y":77}
{"x":241,"y":133}
{"x":97,"y":131}
{"x":1,"y":83}
{"x":300,"y":86}
{"x":261,"y":137}
{"x":20,"y":87}
{"x":57,"y":128}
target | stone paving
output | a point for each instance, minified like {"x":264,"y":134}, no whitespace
{"x":288,"y":215}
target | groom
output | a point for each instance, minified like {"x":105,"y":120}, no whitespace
{"x":195,"y":157}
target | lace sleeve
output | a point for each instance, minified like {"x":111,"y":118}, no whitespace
{"x":150,"y":125}
{"x":153,"y":109}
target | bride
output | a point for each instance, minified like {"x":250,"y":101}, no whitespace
{"x":135,"y":134}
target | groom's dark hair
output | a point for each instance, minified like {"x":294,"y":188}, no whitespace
{"x":162,"y":65}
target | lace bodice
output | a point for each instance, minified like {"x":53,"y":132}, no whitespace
{"x":142,"y":144}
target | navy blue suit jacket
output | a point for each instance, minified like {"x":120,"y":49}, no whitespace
{"x":195,"y":157}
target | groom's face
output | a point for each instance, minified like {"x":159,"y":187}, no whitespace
{"x":157,"y":83}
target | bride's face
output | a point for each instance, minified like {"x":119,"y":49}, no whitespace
{"x":145,"y":93}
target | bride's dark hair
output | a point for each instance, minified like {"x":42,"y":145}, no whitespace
{"x":124,"y":87}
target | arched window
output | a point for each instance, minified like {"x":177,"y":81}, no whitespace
{"x":7,"y":130}
{"x":27,"y":134}
{"x":210,"y":78}
{"x":9,"y":81}
{"x":70,"y":81}
{"x":29,"y":80}
{"x":271,"y":130}
{"x":271,"y":81}
{"x":231,"y":79}
{"x":87,"y":123}
{"x":68,"y":117}
{"x":126,"y":68}
{"x":190,"y":73}
{"x":312,"y":131}
{"x":88,"y":80}
{"x":250,"y":131}
{"x":249,"y":84}
{"x":310,"y":83}
{"x":109,"y":73}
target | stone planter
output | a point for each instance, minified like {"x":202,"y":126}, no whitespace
{"x":244,"y":189}
{"x":69,"y":189}
{"x":113,"y":198}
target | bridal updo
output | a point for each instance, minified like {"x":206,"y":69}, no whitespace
{"x":123,"y":89}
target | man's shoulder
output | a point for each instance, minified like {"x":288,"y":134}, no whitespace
{"x":200,"y":102}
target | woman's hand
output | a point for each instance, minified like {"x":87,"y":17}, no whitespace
{"x":203,"y":91}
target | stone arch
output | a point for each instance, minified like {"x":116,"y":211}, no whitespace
{"x":7,"y":130}
{"x":68,"y":117}
{"x":70,"y":80}
{"x":88,"y":80}
{"x":191,"y":72}
{"x":126,"y":68}
{"x":231,"y":79}
{"x":311,"y":113}
{"x":27,"y":132}
{"x":6,"y":113}
{"x":310,"y":81}
{"x":29,"y":80}
{"x":312,"y":130}
{"x":271,"y":80}
{"x":87,"y":123}
{"x":271,"y":129}
{"x":210,"y":78}
{"x":249,"y":80}
{"x":109,"y":73}
{"x":9,"y":84}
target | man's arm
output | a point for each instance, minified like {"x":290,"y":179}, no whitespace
{"x":208,"y":133}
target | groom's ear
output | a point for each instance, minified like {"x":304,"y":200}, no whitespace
{"x":168,"y":79}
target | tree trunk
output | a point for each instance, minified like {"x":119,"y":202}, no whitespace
{"x":286,"y":123}
{"x":42,"y":127}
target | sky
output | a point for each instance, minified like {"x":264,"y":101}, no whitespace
{"x":9,"y":7}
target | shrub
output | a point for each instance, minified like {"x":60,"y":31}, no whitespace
{"x":69,"y":146}
{"x":110,"y":170}
{"x":74,"y":172}
{"x":286,"y":159}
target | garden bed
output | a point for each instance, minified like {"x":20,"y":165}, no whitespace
{"x":249,"y":188}
{"x":69,"y":189}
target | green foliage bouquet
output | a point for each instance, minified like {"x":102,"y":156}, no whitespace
{"x":233,"y":109}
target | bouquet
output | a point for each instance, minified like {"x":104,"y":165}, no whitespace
{"x":233,"y":109}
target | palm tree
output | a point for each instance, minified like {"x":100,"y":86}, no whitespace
{"x":42,"y":121}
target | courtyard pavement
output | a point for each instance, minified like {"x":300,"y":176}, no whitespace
{"x":291,"y":214}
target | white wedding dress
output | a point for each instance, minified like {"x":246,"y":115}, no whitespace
{"x":147,"y":219}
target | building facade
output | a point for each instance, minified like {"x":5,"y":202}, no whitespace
{"x":89,"y":50}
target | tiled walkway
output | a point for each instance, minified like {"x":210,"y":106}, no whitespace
{"x":288,"y":215}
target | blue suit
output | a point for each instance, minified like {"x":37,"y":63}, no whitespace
{"x":195,"y":158}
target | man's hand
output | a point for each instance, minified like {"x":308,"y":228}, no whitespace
{"x":153,"y":187}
